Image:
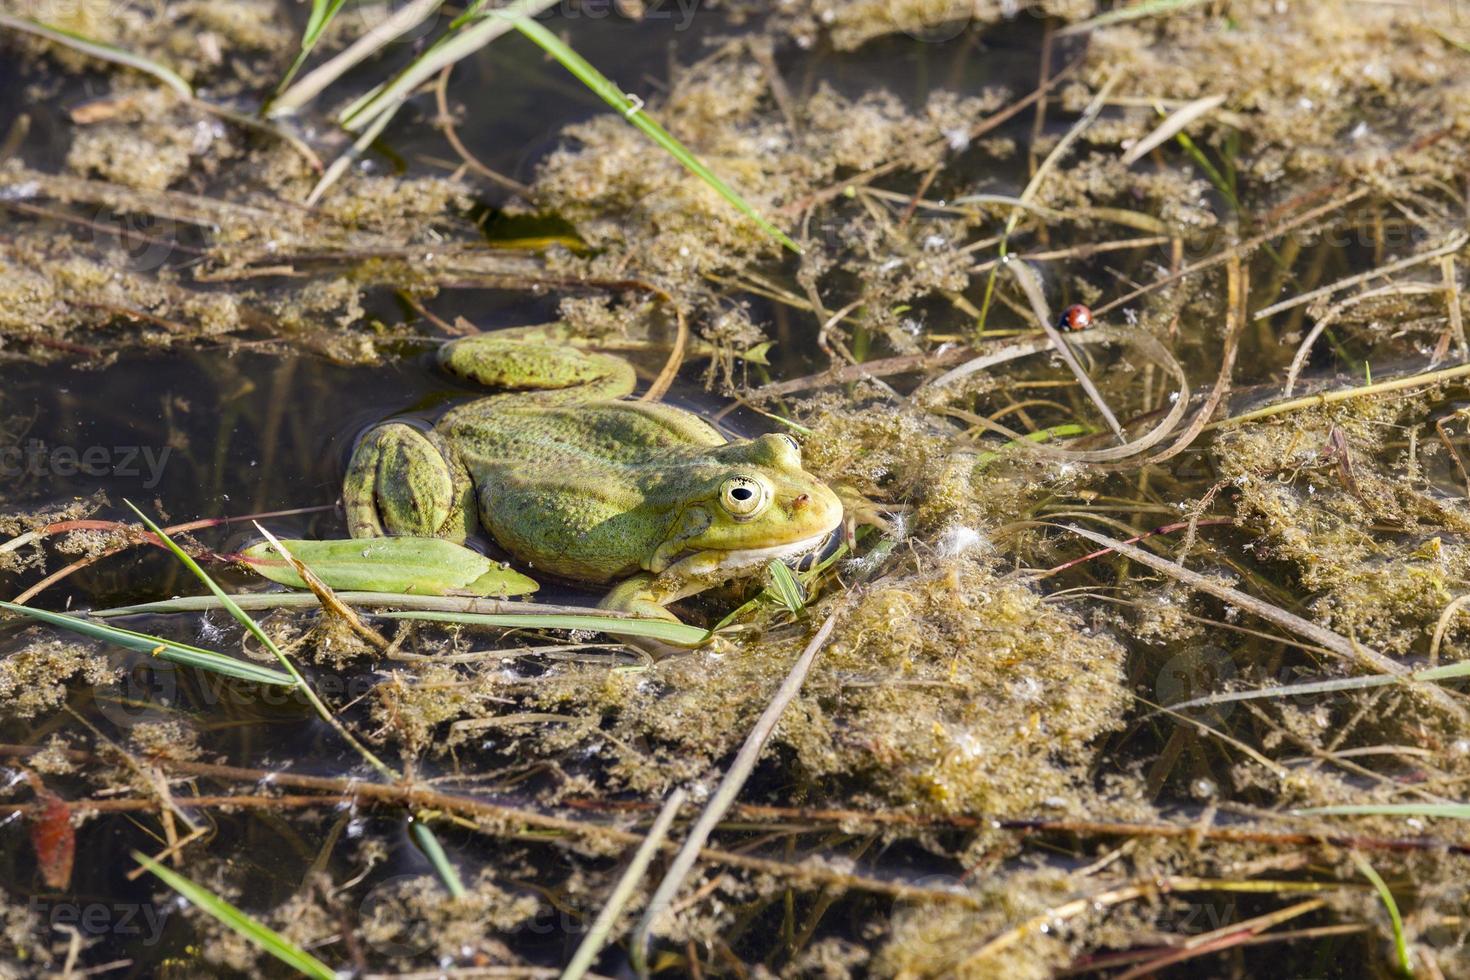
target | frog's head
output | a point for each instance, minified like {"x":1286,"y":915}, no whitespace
{"x":756,"y":504}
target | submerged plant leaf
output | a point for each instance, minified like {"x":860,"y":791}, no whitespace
{"x":261,"y":935}
{"x":170,"y":650}
{"x":53,"y":837}
{"x":412,"y":566}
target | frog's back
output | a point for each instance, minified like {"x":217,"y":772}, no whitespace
{"x":580,"y":491}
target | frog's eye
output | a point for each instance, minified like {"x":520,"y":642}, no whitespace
{"x":744,"y":497}
{"x":790,"y":441}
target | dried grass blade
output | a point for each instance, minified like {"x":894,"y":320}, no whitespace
{"x":99,"y":49}
{"x":1026,"y":279}
{"x":1320,"y":635}
{"x":1174,"y":123}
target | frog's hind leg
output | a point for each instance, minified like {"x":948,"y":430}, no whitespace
{"x":556,"y":374}
{"x":402,"y":481}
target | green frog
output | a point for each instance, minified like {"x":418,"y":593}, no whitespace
{"x":573,"y":479}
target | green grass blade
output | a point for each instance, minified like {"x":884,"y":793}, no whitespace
{"x":263,"y":936}
{"x":423,"y":836}
{"x":657,"y":629}
{"x":1449,"y":811}
{"x":614,"y":96}
{"x":1400,"y":945}
{"x":179,"y":653}
{"x":98,"y":49}
{"x":244,"y":619}
{"x":240,"y":615}
{"x":785,"y":587}
{"x":322,"y":13}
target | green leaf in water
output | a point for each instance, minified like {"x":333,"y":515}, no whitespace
{"x":179,"y":653}
{"x":261,"y":935}
{"x":412,"y":566}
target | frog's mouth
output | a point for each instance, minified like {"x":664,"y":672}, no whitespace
{"x":790,"y":551}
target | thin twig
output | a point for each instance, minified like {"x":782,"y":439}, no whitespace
{"x":724,"y":796}
{"x":597,"y":934}
{"x":1455,"y":243}
{"x":1325,"y":398}
{"x":1349,"y":650}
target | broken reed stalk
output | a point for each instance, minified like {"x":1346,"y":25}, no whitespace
{"x":1026,"y":279}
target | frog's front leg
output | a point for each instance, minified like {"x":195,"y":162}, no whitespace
{"x":402,"y":481}
{"x":648,"y":593}
{"x":640,"y":595}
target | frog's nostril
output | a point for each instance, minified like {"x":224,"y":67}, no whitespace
{"x":800,"y":501}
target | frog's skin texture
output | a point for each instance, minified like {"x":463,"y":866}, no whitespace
{"x":575,"y":482}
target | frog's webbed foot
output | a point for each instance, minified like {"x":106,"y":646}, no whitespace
{"x":402,"y":481}
{"x":556,"y":373}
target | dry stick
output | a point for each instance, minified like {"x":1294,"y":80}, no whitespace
{"x":1452,"y":300}
{"x":1249,"y":245}
{"x":451,"y":133}
{"x":724,"y":796}
{"x":1325,"y":398}
{"x":1330,"y":317}
{"x":903,"y":364}
{"x":498,"y":818}
{"x":1335,"y":642}
{"x":670,"y":371}
{"x":1219,"y":940}
{"x":1166,"y":529}
{"x":1026,"y":279}
{"x":602,"y":926}
{"x":1455,"y":243}
{"x":752,"y":811}
{"x":1132,"y":891}
{"x":1083,"y":251}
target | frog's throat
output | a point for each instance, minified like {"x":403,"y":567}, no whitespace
{"x":699,"y":570}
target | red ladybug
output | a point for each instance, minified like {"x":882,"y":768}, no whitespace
{"x":1075,"y":317}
